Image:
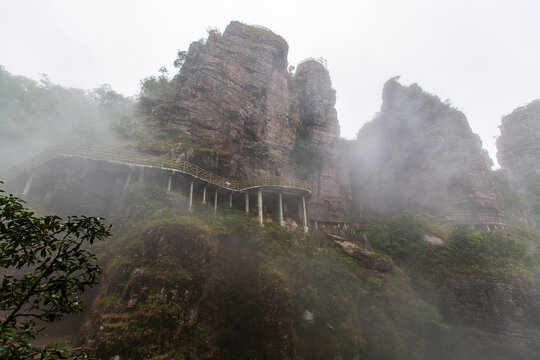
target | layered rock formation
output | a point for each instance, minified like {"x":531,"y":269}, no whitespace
{"x":494,"y":304}
{"x":235,"y":94}
{"x":518,"y":147}
{"x":317,"y":152}
{"x":420,"y":154}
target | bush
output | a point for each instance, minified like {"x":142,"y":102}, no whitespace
{"x":400,"y":236}
{"x":482,"y":251}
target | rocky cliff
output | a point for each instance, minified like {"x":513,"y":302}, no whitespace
{"x":317,"y":150}
{"x":235,"y":94}
{"x":493,"y":304}
{"x":421,"y":154}
{"x":518,"y":147}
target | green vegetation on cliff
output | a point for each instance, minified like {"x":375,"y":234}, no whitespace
{"x":202,"y":286}
{"x":502,"y":253}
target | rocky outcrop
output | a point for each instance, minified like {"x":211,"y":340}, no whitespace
{"x":494,"y":305}
{"x":331,"y":196}
{"x":421,"y":154}
{"x":518,"y":147}
{"x":235,"y":94}
{"x":317,"y":149}
{"x":318,"y":116}
{"x":367,"y":258}
{"x":181,"y":295}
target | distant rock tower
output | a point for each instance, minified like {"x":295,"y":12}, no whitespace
{"x":518,"y":147}
{"x":421,"y":154}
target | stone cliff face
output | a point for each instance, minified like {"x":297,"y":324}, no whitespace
{"x":318,"y":116}
{"x":493,"y":304}
{"x":317,"y":149}
{"x":235,"y":94}
{"x":420,"y":154}
{"x":518,"y":147}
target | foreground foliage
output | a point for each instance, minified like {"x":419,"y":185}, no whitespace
{"x":45,"y":267}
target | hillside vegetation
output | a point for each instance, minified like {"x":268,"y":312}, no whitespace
{"x":204,"y":287}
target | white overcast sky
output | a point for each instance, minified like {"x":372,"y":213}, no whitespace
{"x":483,"y":55}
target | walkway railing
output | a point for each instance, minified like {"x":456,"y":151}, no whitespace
{"x":126,"y":157}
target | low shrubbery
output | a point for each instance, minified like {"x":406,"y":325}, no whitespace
{"x":503,"y":252}
{"x":401,"y":236}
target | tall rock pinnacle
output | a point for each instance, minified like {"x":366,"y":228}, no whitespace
{"x":235,"y":94}
{"x":421,"y":154}
{"x":518,"y":147}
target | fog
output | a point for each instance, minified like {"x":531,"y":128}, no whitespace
{"x":37,"y":115}
{"x":420,"y":154}
{"x":480,"y":54}
{"x":71,"y":72}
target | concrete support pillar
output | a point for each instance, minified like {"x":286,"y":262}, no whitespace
{"x":260,"y":207}
{"x":230,"y":200}
{"x":169,"y":182}
{"x":128,"y":181}
{"x":281,"y":222}
{"x":141,"y":175}
{"x":204,"y":195}
{"x":304,"y":213}
{"x":28,"y":185}
{"x":191,"y":196}
{"x":247,"y":202}
{"x":215,"y":202}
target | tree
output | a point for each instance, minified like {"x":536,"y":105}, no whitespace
{"x":180,"y":58}
{"x":44,"y":268}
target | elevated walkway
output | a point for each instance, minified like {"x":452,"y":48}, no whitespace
{"x":133,"y":158}
{"x":113,"y":155}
